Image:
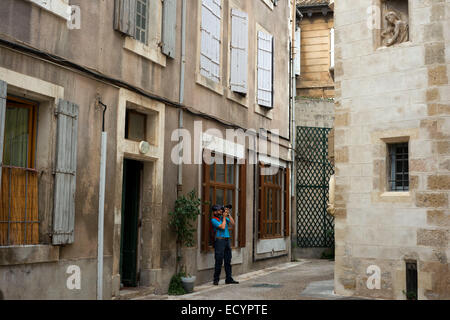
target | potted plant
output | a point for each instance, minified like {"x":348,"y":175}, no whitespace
{"x":182,"y":221}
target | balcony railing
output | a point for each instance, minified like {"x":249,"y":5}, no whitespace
{"x":19,"y":220}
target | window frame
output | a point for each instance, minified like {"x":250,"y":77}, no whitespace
{"x":239,"y":199}
{"x":138,"y":28}
{"x":33,"y":222}
{"x":393,"y":154}
{"x":151,"y":49}
{"x":127,"y":124}
{"x":32,"y":107}
{"x":282,"y":185}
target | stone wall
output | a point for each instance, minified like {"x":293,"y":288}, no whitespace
{"x":314,"y":112}
{"x":399,"y":93}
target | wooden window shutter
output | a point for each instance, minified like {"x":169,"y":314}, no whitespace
{"x":298,"y":48}
{"x":332,"y":49}
{"x":65,"y":173}
{"x":3,"y":94}
{"x":211,"y":31}
{"x":169,"y":27}
{"x":239,"y":51}
{"x":206,"y":209}
{"x":261,"y":198}
{"x":265,"y":69}
{"x":287,"y":201}
{"x":242,"y":204}
{"x":125,"y":17}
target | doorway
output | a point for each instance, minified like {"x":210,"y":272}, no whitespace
{"x":131,"y":200}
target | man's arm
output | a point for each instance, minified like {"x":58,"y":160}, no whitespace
{"x":231,"y":220}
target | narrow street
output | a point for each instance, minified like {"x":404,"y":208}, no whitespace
{"x":301,"y":280}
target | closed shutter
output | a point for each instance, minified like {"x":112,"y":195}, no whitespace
{"x":239,"y":51}
{"x":3,"y":90}
{"x":242,"y":204}
{"x":125,"y":17}
{"x":287,"y":201}
{"x":298,"y":38}
{"x":210,"y":39}
{"x":206,"y":209}
{"x":332,"y":49}
{"x":169,"y":27}
{"x":65,"y":173}
{"x":265,"y":69}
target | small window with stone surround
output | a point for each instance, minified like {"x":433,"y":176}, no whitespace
{"x":398,"y":167}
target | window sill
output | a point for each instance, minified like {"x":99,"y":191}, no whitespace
{"x":392,"y":197}
{"x":209,"y":84}
{"x":61,"y":8}
{"x":152,"y":53}
{"x":16,"y":255}
{"x":241,"y":100}
{"x":264,"y":111}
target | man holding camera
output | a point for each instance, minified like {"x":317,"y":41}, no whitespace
{"x":222,"y":246}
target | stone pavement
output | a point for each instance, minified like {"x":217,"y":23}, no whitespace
{"x":300,"y":280}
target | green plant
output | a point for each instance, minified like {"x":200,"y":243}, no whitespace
{"x":410,"y":295}
{"x":182,"y":221}
{"x":176,"y":286}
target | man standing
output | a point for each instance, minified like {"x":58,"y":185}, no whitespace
{"x":222,"y":247}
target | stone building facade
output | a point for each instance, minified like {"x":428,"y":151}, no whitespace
{"x":392,"y":133}
{"x":157,"y":67}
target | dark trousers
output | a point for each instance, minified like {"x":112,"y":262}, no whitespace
{"x":222,"y":253}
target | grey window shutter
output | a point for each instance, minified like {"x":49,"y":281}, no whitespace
{"x":3,"y":90}
{"x":239,"y":51}
{"x":125,"y":16}
{"x":169,"y":27}
{"x":265,"y":69}
{"x":65,"y":173}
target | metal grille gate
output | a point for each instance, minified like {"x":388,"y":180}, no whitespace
{"x":315,"y":228}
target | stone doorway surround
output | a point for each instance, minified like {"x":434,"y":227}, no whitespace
{"x":149,"y":259}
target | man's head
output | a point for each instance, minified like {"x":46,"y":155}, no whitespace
{"x":216,"y":209}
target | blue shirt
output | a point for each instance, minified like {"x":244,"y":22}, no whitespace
{"x":219,"y":232}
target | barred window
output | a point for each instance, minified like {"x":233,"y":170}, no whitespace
{"x":399,"y":167}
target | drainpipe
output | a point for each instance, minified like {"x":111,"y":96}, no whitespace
{"x":101,"y":208}
{"x":181,"y":97}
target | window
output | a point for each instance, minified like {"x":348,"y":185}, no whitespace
{"x":211,"y":31}
{"x":411,"y":280}
{"x":399,"y":168}
{"x":135,"y":126}
{"x":19,"y":222}
{"x":273,"y":203}
{"x":265,"y":69}
{"x":141,"y":20}
{"x":224,"y":183}
{"x":149,"y":27}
